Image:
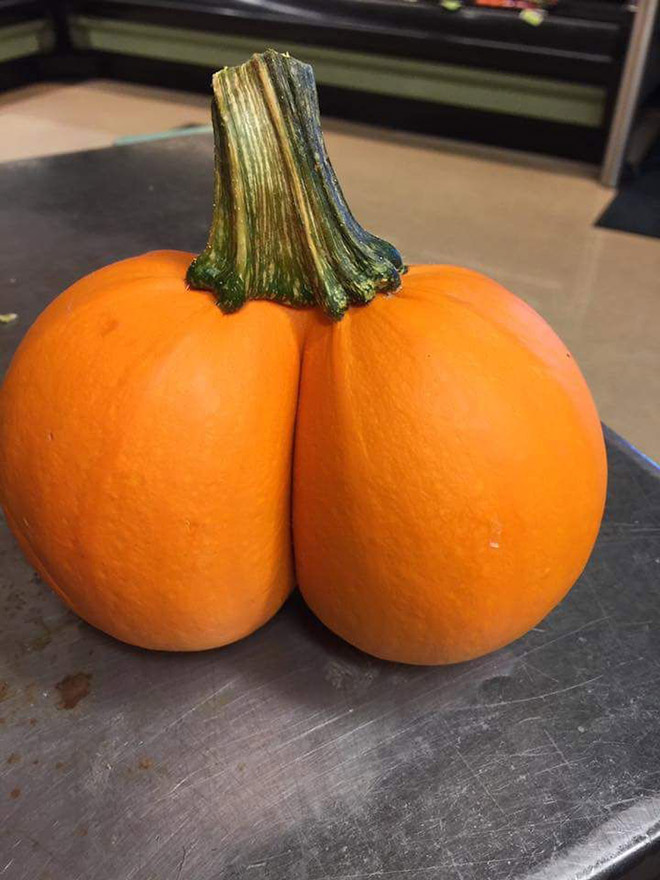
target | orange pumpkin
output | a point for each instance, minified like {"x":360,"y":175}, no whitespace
{"x":449,"y":472}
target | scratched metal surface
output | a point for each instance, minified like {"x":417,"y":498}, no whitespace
{"x":291,"y":756}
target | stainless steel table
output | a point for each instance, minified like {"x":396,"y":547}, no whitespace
{"x":290,"y":755}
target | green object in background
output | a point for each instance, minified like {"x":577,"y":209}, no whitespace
{"x":451,"y":5}
{"x":26,"y":38}
{"x":532,"y":16}
{"x":526,"y":96}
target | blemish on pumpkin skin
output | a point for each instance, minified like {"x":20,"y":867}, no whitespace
{"x":73,"y":689}
{"x":496,"y":528}
{"x":109,"y":326}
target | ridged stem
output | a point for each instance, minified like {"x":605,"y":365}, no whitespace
{"x":281,"y":228}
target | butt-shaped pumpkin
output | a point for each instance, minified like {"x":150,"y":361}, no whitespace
{"x":417,"y":450}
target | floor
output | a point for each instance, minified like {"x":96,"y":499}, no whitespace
{"x":44,"y":119}
{"x":524,"y":220}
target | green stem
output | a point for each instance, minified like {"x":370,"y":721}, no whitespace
{"x":281,"y":228}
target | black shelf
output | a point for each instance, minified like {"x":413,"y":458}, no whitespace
{"x":569,"y":46}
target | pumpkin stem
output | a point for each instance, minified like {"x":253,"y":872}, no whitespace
{"x":281,"y":228}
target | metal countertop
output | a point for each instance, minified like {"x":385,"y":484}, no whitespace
{"x":291,"y":756}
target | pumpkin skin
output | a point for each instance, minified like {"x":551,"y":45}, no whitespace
{"x":145,"y":448}
{"x":450,"y":470}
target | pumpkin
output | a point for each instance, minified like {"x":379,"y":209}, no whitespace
{"x":437,"y":443}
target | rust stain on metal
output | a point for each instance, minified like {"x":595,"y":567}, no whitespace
{"x":73,"y":688}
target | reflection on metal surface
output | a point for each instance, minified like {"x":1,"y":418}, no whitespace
{"x":610,"y":849}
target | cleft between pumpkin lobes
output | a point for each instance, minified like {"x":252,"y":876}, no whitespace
{"x":281,"y":228}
